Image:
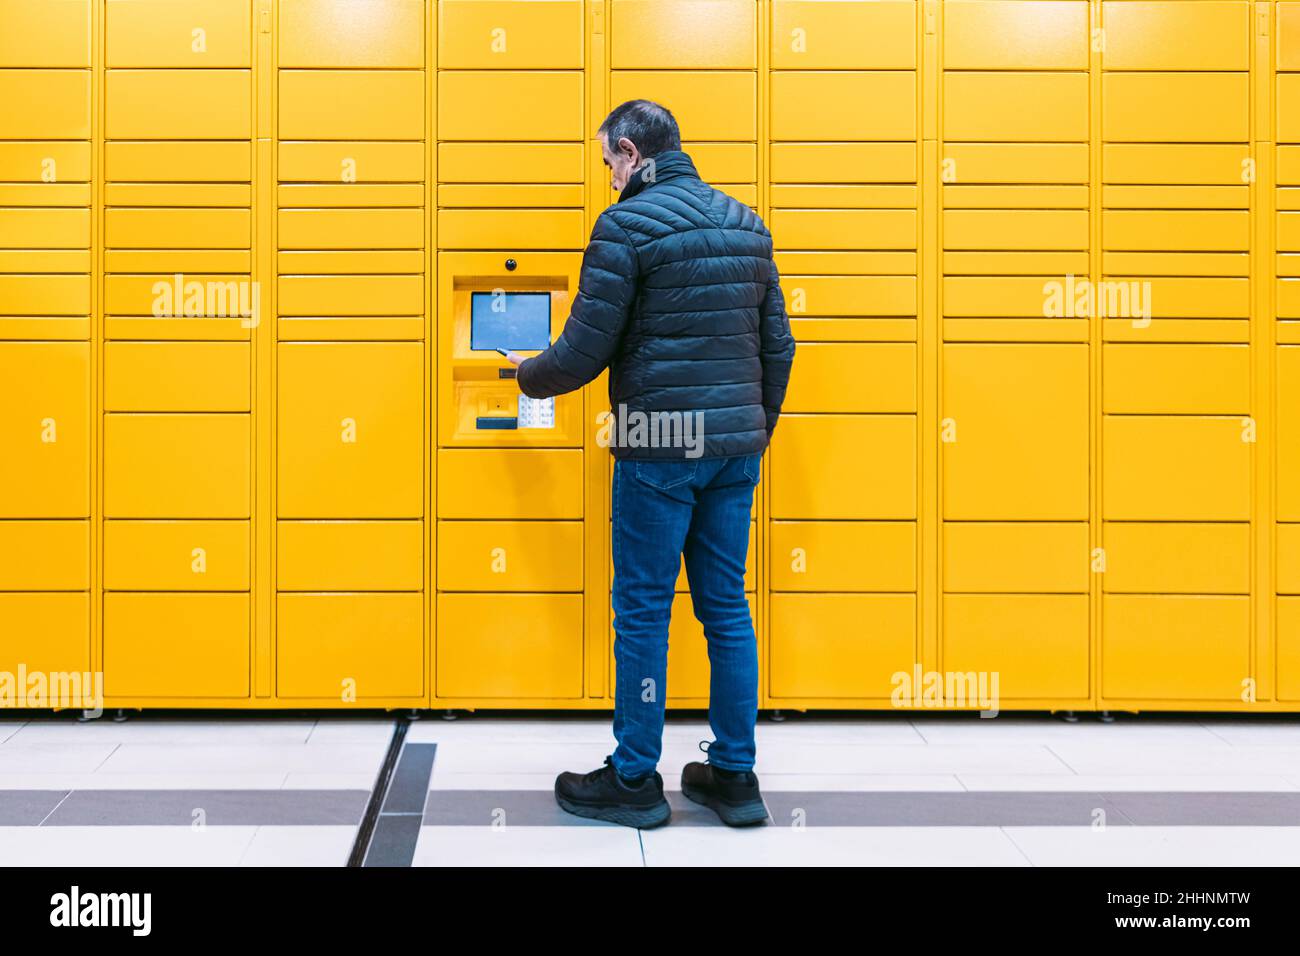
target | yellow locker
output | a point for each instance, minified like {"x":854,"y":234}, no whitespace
{"x":177,"y":556}
{"x":1176,"y":379}
{"x":1176,"y":107}
{"x":350,"y":430}
{"x":1015,"y":35}
{"x":510,"y":35}
{"x":1176,"y":35}
{"x":177,"y":377}
{"x":1208,"y":637}
{"x":45,"y":429}
{"x":484,"y":653}
{"x":833,"y":35}
{"x":1287,"y":477}
{"x":1015,"y":556}
{"x":510,"y":162}
{"x":48,"y":33}
{"x":178,"y":162}
{"x":62,"y":111}
{"x":44,"y":555}
{"x":509,"y":105}
{"x":351,"y":228}
{"x":177,"y":466}
{"x":178,"y":33}
{"x":347,"y":33}
{"x":843,"y":106}
{"x":351,"y":104}
{"x":178,"y":228}
{"x":44,"y":229}
{"x":842,"y":555}
{"x":1176,"y":468}
{"x":178,"y":104}
{"x":1015,"y":107}
{"x":518,"y":483}
{"x":844,"y":466}
{"x":349,"y":555}
{"x":510,"y":556}
{"x":1288,"y":648}
{"x":683,"y":34}
{"x":843,"y":163}
{"x":176,"y":645}
{"x":809,"y":296}
{"x":1015,"y":419}
{"x":1036,"y":645}
{"x":853,"y":377}
{"x":1177,"y":558}
{"x":707,"y":105}
{"x":48,"y":634}
{"x":1015,"y":229}
{"x":351,"y":295}
{"x":362,"y":162}
{"x":844,"y":229}
{"x":841,"y":645}
{"x":349,"y":647}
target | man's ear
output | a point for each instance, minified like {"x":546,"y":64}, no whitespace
{"x":628,"y":149}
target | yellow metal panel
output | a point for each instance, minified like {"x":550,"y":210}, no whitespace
{"x":219,"y":196}
{"x":44,"y":229}
{"x":677,"y":34}
{"x":215,"y":296}
{"x":351,"y":104}
{"x":47,"y":634}
{"x":509,"y":105}
{"x":44,"y":555}
{"x":509,"y":483}
{"x":1176,"y":379}
{"x":709,"y":106}
{"x":510,"y":556}
{"x":45,"y":429}
{"x":843,"y":555}
{"x":844,"y":466}
{"x":1175,"y":558}
{"x":351,"y":295}
{"x":351,"y":228}
{"x":177,"y":555}
{"x":844,"y":228}
{"x":1288,"y":642}
{"x":841,"y":645}
{"x":849,"y":295}
{"x":510,"y":195}
{"x":1208,"y":638}
{"x":1288,"y":558}
{"x":185,"y":33}
{"x":176,"y":645}
{"x":177,"y":466}
{"x":1016,"y":162}
{"x":724,"y":162}
{"x":177,"y":377}
{"x":178,"y":104}
{"x":61,"y":111}
{"x":1015,"y":556}
{"x":1033,"y":645}
{"x":1019,"y":450}
{"x":1288,"y":36}
{"x":510,"y":35}
{"x":1288,"y":433}
{"x":1176,"y":107}
{"x":45,"y":294}
{"x":484,"y":653}
{"x":351,"y":421}
{"x":1015,"y":228}
{"x":843,"y":196}
{"x":38,"y":162}
{"x":843,"y":106}
{"x":1173,"y":163}
{"x":510,"y":162}
{"x":511,"y":229}
{"x":351,"y":33}
{"x":853,"y":377}
{"x":1014,"y":107}
{"x":1176,"y":35}
{"x":1288,"y":107}
{"x":843,"y":162}
{"x":178,"y":228}
{"x":45,"y":33}
{"x":822,"y":35}
{"x":349,"y":647}
{"x":1015,"y":35}
{"x":351,"y":162}
{"x":1183,"y":229}
{"x":178,"y":162}
{"x":349,"y":555}
{"x":1176,"y":468}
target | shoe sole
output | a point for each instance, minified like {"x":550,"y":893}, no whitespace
{"x":637,"y":818}
{"x":733,"y":815}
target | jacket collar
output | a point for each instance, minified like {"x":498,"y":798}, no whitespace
{"x":673,"y":164}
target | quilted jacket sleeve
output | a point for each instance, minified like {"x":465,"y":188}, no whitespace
{"x":591,"y":336}
{"x":776,"y":348}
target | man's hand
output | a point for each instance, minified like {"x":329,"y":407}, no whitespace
{"x":514,"y":358}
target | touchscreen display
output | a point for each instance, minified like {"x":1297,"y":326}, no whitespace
{"x":510,"y":320}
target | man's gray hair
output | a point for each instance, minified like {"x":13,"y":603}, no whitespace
{"x":650,"y":126}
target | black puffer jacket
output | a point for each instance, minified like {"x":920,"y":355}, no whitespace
{"x":680,"y":298}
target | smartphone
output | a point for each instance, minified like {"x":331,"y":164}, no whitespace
{"x":505,"y":352}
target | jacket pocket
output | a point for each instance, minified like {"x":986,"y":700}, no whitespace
{"x":666,"y":474}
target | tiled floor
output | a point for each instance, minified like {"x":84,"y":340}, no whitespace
{"x":888,"y":789}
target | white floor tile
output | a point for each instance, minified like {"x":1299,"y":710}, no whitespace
{"x":991,"y":757}
{"x":493,"y":781}
{"x":528,"y":846}
{"x":300,"y":846}
{"x":142,"y":781}
{"x":1103,"y":783}
{"x":855,"y":731}
{"x":830,"y":846}
{"x":18,"y":758}
{"x":233,"y":758}
{"x":1017,"y":729}
{"x":1158,"y":846}
{"x":123,"y":846}
{"x":432,"y":729}
{"x":145,"y":729}
{"x":1263,"y":731}
{"x":330,"y":781}
{"x":1120,"y":757}
{"x":10,"y":727}
{"x":348,"y":730}
{"x":777,"y":782}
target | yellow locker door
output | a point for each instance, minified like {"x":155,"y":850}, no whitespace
{"x":1014,"y":431}
{"x":351,"y":430}
{"x":45,"y":429}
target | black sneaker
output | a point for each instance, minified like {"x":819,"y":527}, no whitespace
{"x":732,"y":795}
{"x":604,"y":795}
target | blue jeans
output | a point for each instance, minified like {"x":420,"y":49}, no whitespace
{"x":662,"y":510}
